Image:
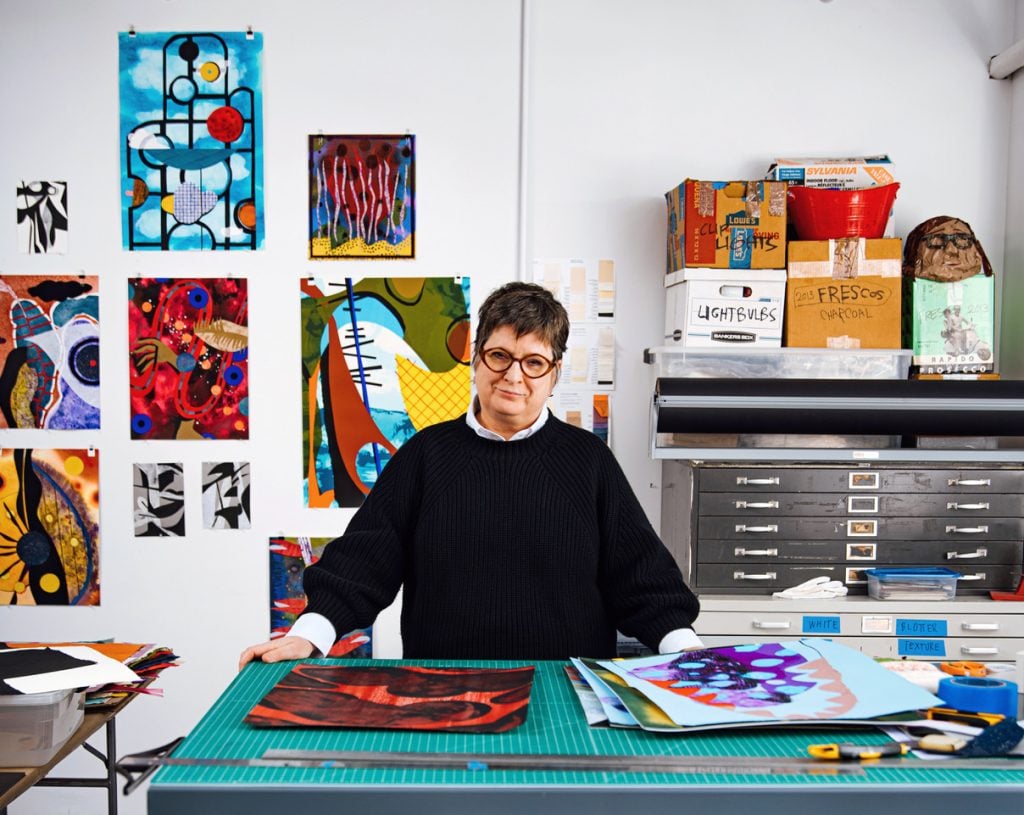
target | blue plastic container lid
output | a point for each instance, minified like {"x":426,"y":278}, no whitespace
{"x":912,"y":571}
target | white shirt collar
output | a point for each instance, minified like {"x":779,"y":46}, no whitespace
{"x":484,"y":433}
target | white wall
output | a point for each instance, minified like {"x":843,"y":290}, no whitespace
{"x":624,"y":100}
{"x":628,"y":99}
{"x":1013,"y":283}
{"x":444,"y":71}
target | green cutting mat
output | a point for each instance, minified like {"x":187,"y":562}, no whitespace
{"x":555,"y":724}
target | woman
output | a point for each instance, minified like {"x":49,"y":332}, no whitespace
{"x":515,"y":535}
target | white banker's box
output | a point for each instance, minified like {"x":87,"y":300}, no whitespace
{"x":725,"y":307}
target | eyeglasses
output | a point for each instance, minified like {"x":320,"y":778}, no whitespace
{"x":533,"y":366}
{"x":939,"y":240}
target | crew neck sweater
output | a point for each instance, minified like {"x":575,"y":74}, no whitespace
{"x":532,"y":550}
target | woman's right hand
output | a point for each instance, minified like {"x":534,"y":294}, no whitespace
{"x":277,"y":651}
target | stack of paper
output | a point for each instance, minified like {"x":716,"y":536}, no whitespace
{"x":780,"y":683}
{"x":109,"y":670}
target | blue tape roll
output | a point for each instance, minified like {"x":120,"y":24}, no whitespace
{"x":979,"y":695}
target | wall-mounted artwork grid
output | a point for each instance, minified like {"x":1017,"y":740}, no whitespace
{"x":191,"y":141}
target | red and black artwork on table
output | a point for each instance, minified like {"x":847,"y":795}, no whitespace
{"x":462,"y":700}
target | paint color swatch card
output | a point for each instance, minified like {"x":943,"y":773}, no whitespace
{"x":459,"y":700}
{"x":780,"y":683}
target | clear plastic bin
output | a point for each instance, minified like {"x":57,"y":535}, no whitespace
{"x":34,"y":726}
{"x":923,"y":583}
{"x":780,"y":363}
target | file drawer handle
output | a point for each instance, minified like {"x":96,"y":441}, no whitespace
{"x":970,"y":482}
{"x":980,"y":626}
{"x":743,"y":481}
{"x":745,"y":576}
{"x":766,"y":625}
{"x":966,"y":649}
{"x":757,"y":505}
{"x":758,"y":529}
{"x":968,"y":530}
{"x":967,"y":555}
{"x":739,"y":551}
{"x":955,"y":505}
{"x":978,"y":576}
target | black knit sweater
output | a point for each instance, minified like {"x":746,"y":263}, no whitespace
{"x":532,"y":549}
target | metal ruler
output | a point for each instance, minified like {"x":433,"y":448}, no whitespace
{"x":484,"y":762}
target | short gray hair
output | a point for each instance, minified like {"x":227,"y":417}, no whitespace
{"x":526,"y":308}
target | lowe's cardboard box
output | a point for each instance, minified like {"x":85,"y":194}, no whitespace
{"x":837,"y":173}
{"x":727,"y":225}
{"x":844,"y":293}
{"x":724,"y":308}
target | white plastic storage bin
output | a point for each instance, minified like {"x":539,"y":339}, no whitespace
{"x":34,"y":726}
{"x":780,"y":363}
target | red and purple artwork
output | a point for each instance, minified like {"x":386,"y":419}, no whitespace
{"x":289,"y":557}
{"x":734,"y":677}
{"x":189,"y":350}
{"x":788,"y":681}
{"x":461,"y":700}
{"x":361,"y":195}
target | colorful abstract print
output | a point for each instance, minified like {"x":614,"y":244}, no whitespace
{"x":361,"y":193}
{"x":49,"y":527}
{"x":381,"y":359}
{"x":189,"y":347}
{"x":50,"y":352}
{"x":745,"y":676}
{"x":191,"y":141}
{"x":459,"y":700}
{"x":288,"y":560}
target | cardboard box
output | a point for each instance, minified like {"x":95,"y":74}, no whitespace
{"x":837,"y":173}
{"x":844,"y":293}
{"x":727,"y":225}
{"x":952,"y":325}
{"x":722,"y":307}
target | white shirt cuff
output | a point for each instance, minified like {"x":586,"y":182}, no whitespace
{"x":682,"y":639}
{"x":317,"y":629}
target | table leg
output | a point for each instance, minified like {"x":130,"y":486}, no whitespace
{"x":109,"y":762}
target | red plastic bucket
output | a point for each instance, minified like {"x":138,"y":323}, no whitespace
{"x":818,"y":214}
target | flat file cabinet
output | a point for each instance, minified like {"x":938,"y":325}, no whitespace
{"x":755,"y":529}
{"x":743,"y":530}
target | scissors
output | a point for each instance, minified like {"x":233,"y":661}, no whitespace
{"x":964,"y":668}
